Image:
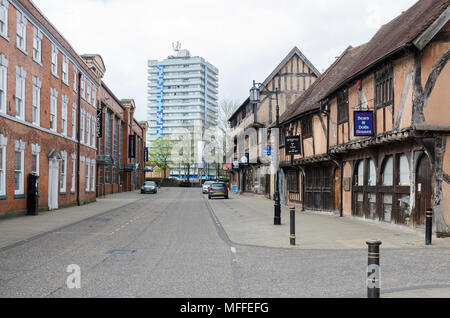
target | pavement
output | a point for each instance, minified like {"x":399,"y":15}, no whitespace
{"x":16,"y":230}
{"x":248,"y":221}
{"x":245,"y":223}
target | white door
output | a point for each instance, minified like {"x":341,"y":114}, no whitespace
{"x":53,"y":184}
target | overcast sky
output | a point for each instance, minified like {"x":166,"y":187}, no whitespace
{"x":244,"y":39}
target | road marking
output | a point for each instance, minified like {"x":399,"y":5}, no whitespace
{"x":233,"y":250}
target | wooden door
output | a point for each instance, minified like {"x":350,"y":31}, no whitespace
{"x":337,"y":189}
{"x":423,"y":190}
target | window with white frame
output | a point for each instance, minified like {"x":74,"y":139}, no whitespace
{"x":65,"y":101}
{"x":4,"y":5}
{"x":93,"y":132}
{"x":89,"y":93}
{"x":3,"y":82}
{"x":88,"y":175}
{"x":83,"y":87}
{"x":75,"y":76}
{"x":53,"y":109}
{"x":37,"y":45}
{"x":20,"y":92}
{"x":88,"y":129}
{"x":83,"y":121}
{"x":54,"y":60}
{"x":35,"y":152}
{"x":93,"y":176}
{"x":63,"y":172}
{"x":74,"y":121}
{"x":94,"y":97}
{"x":65,"y":70}
{"x":36,"y":105}
{"x":19,"y":176}
{"x":72,"y":184}
{"x":3,"y":143}
{"x":21,"y":38}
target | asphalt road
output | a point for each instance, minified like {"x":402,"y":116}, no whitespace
{"x":172,"y":245}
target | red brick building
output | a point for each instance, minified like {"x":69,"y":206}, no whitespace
{"x":116,"y":171}
{"x":49,"y":97}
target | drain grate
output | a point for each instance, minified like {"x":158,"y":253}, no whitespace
{"x":121,"y":252}
{"x":101,"y":220}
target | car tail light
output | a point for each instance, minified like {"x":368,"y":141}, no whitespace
{"x":226,"y":189}
{"x":210,"y":189}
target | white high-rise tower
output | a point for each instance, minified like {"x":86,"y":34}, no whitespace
{"x":182,"y":95}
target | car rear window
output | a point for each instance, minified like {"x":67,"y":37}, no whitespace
{"x":218,"y":185}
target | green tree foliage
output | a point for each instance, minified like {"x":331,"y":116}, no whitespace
{"x":159,"y":155}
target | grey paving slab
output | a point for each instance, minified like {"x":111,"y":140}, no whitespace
{"x":249,"y":221}
{"x":18,"y":229}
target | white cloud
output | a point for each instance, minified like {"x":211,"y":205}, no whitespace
{"x":245,"y":39}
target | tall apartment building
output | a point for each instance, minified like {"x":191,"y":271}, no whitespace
{"x":182,"y":96}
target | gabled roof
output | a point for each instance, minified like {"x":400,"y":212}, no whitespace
{"x":320,"y":89}
{"x":418,"y":22}
{"x":398,"y":34}
{"x":291,"y":54}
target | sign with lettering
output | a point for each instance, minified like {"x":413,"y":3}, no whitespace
{"x":131,"y":146}
{"x":146,"y":154}
{"x":100,"y":123}
{"x":363,"y":123}
{"x":293,"y":145}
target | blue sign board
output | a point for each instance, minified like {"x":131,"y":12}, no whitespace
{"x":363,"y":123}
{"x":267,"y":150}
{"x":235,"y":189}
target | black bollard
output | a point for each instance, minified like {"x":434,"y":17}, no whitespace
{"x":429,"y":227}
{"x":373,"y":270}
{"x":293,"y":227}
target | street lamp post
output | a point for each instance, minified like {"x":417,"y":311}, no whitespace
{"x":255,"y":93}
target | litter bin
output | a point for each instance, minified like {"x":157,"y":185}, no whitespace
{"x":33,"y":194}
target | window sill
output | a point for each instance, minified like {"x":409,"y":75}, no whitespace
{"x":5,"y":37}
{"x":3,"y":197}
{"x":22,"y":50}
{"x":37,"y":62}
{"x":63,"y":193}
{"x":55,"y":75}
{"x":19,"y":196}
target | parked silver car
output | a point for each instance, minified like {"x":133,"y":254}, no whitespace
{"x":149,"y":187}
{"x":218,"y":189}
{"x":206,"y":185}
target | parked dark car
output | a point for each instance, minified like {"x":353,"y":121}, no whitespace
{"x":149,"y":187}
{"x":218,"y":189}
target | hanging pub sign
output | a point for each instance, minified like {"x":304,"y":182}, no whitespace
{"x":293,"y":145}
{"x":100,"y":123}
{"x":245,"y":160}
{"x":132,"y":146}
{"x":363,"y":123}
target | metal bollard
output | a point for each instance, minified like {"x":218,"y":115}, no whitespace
{"x":429,"y":227}
{"x":373,"y":270}
{"x":293,"y":227}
